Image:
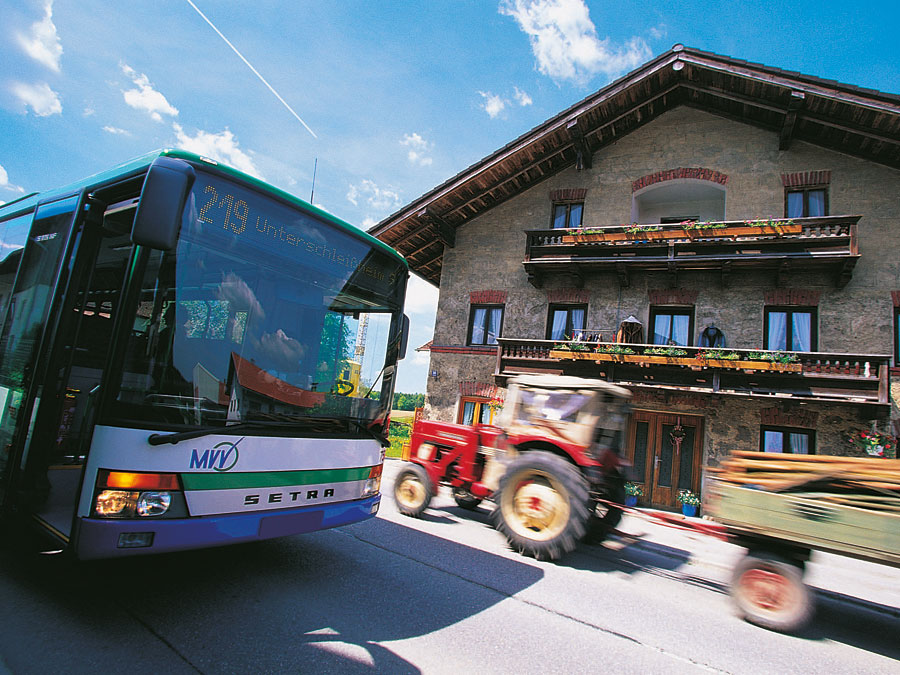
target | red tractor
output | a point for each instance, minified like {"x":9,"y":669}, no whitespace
{"x":552,"y":463}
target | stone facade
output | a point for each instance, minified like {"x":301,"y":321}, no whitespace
{"x":747,"y":163}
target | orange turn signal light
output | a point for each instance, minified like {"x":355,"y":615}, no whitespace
{"x":126,"y":480}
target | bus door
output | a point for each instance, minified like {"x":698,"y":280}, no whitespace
{"x":40,"y":466}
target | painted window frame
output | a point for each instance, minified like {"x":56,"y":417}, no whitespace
{"x":785,"y":438}
{"x":567,"y":206}
{"x":568,"y":307}
{"x":813,"y":311}
{"x":473,"y":311}
{"x":481,"y":409}
{"x":671,"y":310}
{"x":805,"y":191}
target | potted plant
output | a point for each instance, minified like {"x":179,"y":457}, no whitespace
{"x":690,"y":503}
{"x":632,"y":492}
{"x":874,"y":444}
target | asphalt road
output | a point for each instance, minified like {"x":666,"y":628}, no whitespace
{"x":442,"y":594}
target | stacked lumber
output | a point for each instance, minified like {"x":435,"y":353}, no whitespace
{"x":863,"y":482}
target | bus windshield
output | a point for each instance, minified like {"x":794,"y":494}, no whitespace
{"x":263,"y":312}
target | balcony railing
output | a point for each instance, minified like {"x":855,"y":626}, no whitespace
{"x":825,"y":244}
{"x":801,"y":376}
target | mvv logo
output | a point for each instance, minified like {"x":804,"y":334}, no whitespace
{"x":222,"y":457}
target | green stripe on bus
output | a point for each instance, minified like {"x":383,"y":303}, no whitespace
{"x":264,"y":479}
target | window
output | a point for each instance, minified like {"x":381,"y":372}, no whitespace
{"x":565,"y":320}
{"x":897,"y":336}
{"x":485,"y":323}
{"x":791,"y":329}
{"x":672,"y":326}
{"x":809,"y":202}
{"x":474,"y":411}
{"x":786,"y":439}
{"x":567,"y":215}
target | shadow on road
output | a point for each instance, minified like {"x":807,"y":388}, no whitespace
{"x":313,"y":603}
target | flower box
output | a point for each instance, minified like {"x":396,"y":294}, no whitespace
{"x":777,"y":229}
{"x":676,"y":361}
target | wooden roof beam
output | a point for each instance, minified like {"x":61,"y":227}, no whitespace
{"x":584,"y":158}
{"x":790,"y":119}
{"x":446,"y":232}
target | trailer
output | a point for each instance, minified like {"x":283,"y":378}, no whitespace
{"x":845,"y":506}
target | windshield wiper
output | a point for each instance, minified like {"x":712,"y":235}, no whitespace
{"x":301,"y":422}
{"x":175,"y":437}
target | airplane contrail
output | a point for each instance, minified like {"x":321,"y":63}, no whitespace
{"x":250,"y":66}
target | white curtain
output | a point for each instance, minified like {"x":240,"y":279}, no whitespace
{"x":800,"y":332}
{"x":661,"y":328}
{"x":468,"y":412}
{"x":681,"y":324}
{"x":800,"y":444}
{"x":816,"y":203}
{"x":777,"y":338}
{"x":478,"y":326}
{"x":494,"y":326}
{"x":772,"y":441}
{"x":558,"y":330}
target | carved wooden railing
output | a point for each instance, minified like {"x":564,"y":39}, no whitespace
{"x":827,"y":243}
{"x":859,"y":378}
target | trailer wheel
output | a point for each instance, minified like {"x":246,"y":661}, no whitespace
{"x":413,"y":490}
{"x":605,"y":517}
{"x":465,"y":499}
{"x":542,"y":505}
{"x":769,"y":592}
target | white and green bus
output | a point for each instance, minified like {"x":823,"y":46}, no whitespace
{"x":190,"y":357}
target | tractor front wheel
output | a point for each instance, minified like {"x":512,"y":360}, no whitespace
{"x":413,"y":490}
{"x":542,"y":505}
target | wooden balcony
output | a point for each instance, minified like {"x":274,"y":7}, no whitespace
{"x":851,"y":379}
{"x":827,"y":245}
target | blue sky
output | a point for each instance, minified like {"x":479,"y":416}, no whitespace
{"x":389,"y":98}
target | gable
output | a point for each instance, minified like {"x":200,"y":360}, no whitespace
{"x":796,"y":107}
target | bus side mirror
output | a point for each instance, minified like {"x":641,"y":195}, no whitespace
{"x":404,"y":338}
{"x":157,"y":222}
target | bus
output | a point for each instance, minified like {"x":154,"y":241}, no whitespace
{"x":174,"y":349}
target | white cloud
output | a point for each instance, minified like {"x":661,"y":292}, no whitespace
{"x":6,"y":185}
{"x":493,"y":104}
{"x":421,"y":297}
{"x":222,"y":147}
{"x":145,"y":97}
{"x":42,"y":99}
{"x":42,"y":43}
{"x":522,"y":98}
{"x":116,"y":131}
{"x":418,"y":149}
{"x":374,"y":197}
{"x":565,"y":43}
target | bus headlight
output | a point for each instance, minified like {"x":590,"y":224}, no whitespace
{"x":126,"y":504}
{"x":121,"y":494}
{"x":153,"y":503}
{"x":116,"y":503}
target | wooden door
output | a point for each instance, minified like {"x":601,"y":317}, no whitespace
{"x":665,"y":451}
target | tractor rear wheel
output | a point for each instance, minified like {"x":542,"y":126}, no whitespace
{"x":542,"y":505}
{"x":465,"y":499}
{"x":413,"y":490}
{"x":769,"y":592}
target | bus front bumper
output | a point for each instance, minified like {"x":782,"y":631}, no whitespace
{"x":117,"y":538}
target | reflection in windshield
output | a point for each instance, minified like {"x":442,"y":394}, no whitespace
{"x":227,"y":329}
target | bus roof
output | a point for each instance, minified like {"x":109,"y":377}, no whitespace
{"x":140,"y":164}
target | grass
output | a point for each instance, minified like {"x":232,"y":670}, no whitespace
{"x":401,"y":427}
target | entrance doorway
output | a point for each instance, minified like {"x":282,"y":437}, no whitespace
{"x":665,"y":451}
